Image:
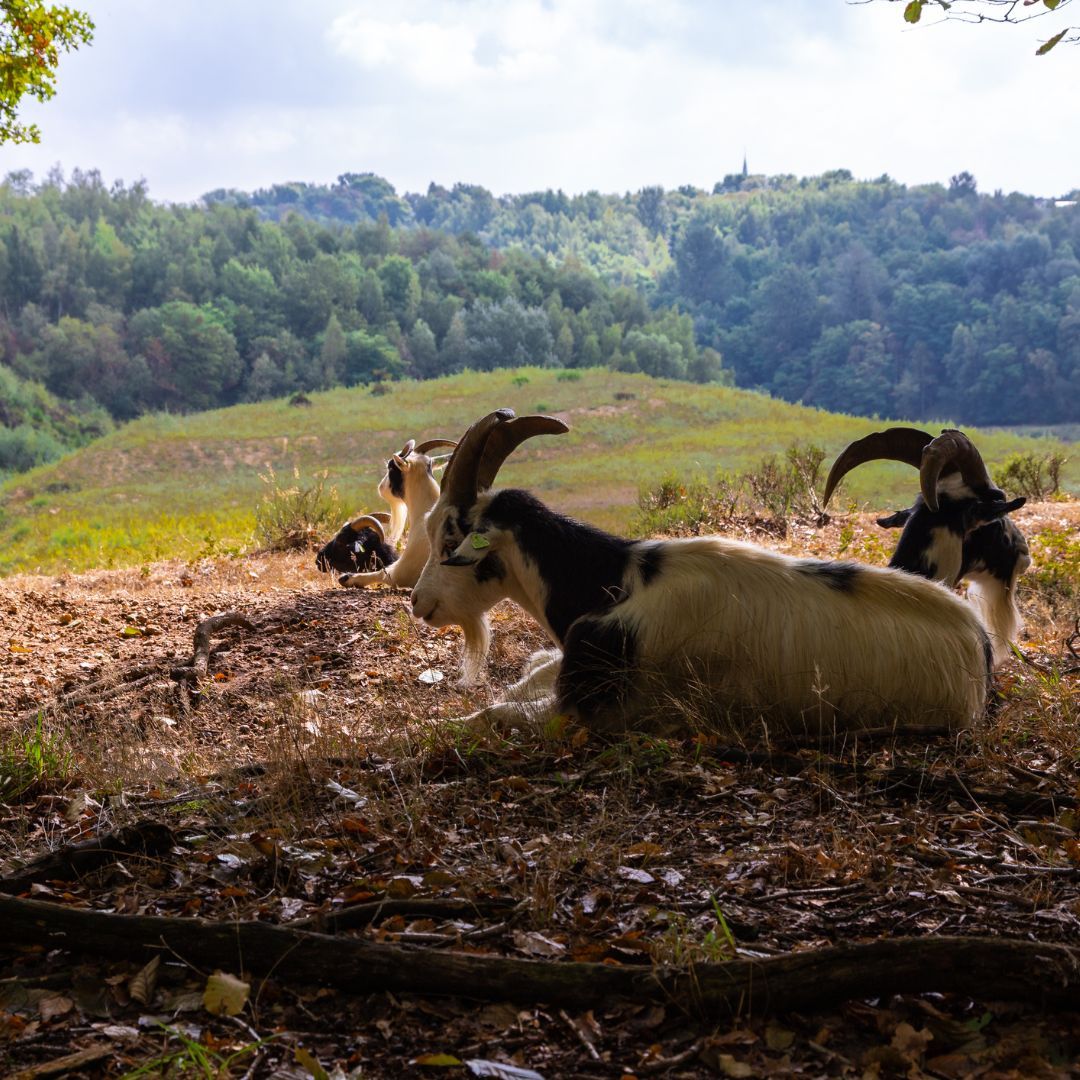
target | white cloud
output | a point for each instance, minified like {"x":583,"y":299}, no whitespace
{"x":578,"y":94}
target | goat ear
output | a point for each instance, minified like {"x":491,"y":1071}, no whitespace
{"x":984,"y":512}
{"x":895,"y":521}
{"x":472,"y":549}
{"x":399,"y":461}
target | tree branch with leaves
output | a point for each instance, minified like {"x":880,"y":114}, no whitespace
{"x":989,"y":11}
{"x":32,"y":36}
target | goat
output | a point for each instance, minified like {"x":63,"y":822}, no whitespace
{"x":392,"y":487}
{"x":958,"y":526}
{"x":411,"y":489}
{"x":360,"y":545}
{"x":643,"y":624}
{"x":409,"y":483}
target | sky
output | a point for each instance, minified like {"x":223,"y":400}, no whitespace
{"x":520,"y":95}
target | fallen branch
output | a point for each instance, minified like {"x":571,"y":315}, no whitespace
{"x":364,"y":914}
{"x":978,"y":967}
{"x":195,"y":670}
{"x":144,"y":838}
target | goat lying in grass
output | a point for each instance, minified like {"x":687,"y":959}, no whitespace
{"x":645,"y":624}
{"x":958,"y":526}
{"x":361,"y":545}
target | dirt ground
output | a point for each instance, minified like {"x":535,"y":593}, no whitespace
{"x":312,"y":769}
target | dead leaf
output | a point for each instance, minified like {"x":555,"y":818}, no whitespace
{"x":141,"y":987}
{"x":225,"y":995}
{"x":778,"y":1038}
{"x":500,"y":1071}
{"x":632,"y":873}
{"x":730,"y":1066}
{"x":53,"y":1006}
{"x":440,"y":1060}
{"x":911,"y":1043}
{"x":536,"y":944}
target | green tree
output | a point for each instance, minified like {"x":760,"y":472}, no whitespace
{"x":332,"y":353}
{"x":192,"y":358}
{"x":32,"y":36}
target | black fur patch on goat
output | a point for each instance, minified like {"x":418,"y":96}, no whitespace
{"x":840,"y":576}
{"x":352,"y":552}
{"x":582,"y":567}
{"x":396,"y":478}
{"x":597,"y":667}
{"x":996,"y":548}
{"x":650,"y":562}
{"x":488,"y":569}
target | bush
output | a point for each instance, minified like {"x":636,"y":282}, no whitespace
{"x":296,"y":518}
{"x":23,"y":447}
{"x":762,"y":500}
{"x":1034,"y":475}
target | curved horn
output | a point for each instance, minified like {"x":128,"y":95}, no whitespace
{"x":894,"y":444}
{"x":503,"y":440}
{"x":368,"y":521}
{"x":435,"y":444}
{"x":459,"y":481}
{"x":381,"y":516}
{"x":953,"y":451}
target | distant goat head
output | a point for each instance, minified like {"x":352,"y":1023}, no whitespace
{"x":359,"y":546}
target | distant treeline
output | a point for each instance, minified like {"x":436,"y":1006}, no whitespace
{"x":113,"y":302}
{"x":860,"y":297}
{"x":863,"y":297}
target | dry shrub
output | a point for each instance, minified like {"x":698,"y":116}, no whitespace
{"x":295,"y":518}
{"x":1037,"y":476}
{"x":765,"y":499}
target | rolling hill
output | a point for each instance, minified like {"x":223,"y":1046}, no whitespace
{"x":170,"y":486}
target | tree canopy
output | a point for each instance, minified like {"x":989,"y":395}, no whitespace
{"x":32,"y":36}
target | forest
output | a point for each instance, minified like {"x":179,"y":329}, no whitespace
{"x":869,"y":298}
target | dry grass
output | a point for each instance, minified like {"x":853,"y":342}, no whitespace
{"x":317,"y":772}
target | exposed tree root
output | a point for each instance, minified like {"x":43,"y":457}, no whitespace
{"x":807,"y":981}
{"x":144,"y":838}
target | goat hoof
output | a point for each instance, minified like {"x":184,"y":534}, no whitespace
{"x":344,"y":579}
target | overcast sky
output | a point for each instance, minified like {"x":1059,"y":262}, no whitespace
{"x":574,"y":94}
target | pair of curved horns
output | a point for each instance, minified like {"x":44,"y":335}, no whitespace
{"x":951,"y":451}
{"x":486,"y":445}
{"x":377,"y":521}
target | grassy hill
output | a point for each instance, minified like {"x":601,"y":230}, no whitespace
{"x":169,"y":486}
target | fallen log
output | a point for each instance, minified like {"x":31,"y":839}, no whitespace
{"x":981,"y":967}
{"x":145,"y":838}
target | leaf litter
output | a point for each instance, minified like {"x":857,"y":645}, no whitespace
{"x":312,"y":779}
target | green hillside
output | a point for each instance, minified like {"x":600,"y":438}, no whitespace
{"x":166,"y":486}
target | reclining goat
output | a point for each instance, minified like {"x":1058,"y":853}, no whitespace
{"x":642,"y":624}
{"x":958,"y":526}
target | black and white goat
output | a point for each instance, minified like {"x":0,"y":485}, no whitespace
{"x":645,"y":624}
{"x":958,"y":526}
{"x":410,"y":487}
{"x":360,"y":545}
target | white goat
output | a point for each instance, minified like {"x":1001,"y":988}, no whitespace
{"x":645,"y":624}
{"x":409,"y":486}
